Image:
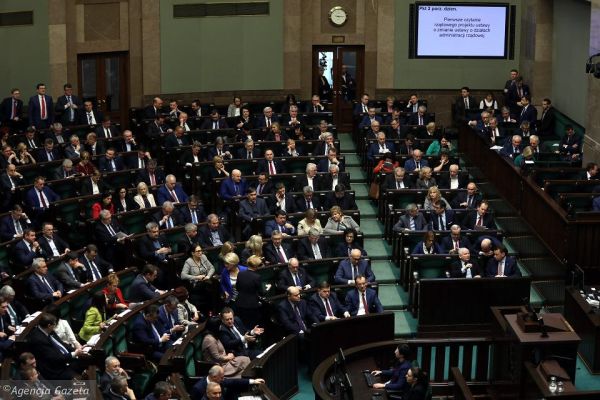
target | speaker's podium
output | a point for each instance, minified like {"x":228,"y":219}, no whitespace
{"x":537,"y":339}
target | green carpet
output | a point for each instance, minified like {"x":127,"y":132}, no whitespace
{"x":356,"y":174}
{"x":370,"y":226}
{"x":377,"y":247}
{"x":404,"y":324}
{"x":385,"y":271}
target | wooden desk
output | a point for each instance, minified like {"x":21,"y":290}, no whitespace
{"x":535,"y":386}
{"x":561,"y":346}
{"x":586,"y":323}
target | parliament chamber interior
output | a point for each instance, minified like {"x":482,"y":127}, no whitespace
{"x":410,"y":190}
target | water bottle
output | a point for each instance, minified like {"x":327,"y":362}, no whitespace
{"x":552,"y":386}
{"x":560,"y":387}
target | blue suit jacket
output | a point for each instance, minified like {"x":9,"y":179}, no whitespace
{"x":318,"y":308}
{"x":271,"y":226}
{"x":396,"y":376}
{"x":7,"y":227}
{"x":366,"y":121}
{"x":353,"y":301}
{"x":163,"y":195}
{"x":38,"y":290}
{"x":227,"y":190}
{"x":231,"y":342}
{"x":34,"y":110}
{"x":23,"y":257}
{"x":287,"y":317}
{"x":358,"y":109}
{"x":419,"y":248}
{"x":33,"y":200}
{"x":374,"y":149}
{"x":508,"y":151}
{"x":529,"y":115}
{"x":104,"y":164}
{"x":140,"y":290}
{"x":344,"y":272}
{"x":596,"y":204}
{"x":510,"y":267}
{"x":165,"y":321}
{"x":231,"y":388}
{"x":142,"y":332}
{"x":410,"y":164}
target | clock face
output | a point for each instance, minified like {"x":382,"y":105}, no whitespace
{"x":338,"y":16}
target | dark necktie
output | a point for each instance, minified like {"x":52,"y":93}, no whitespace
{"x":146,"y":202}
{"x":299,"y":318}
{"x":328,"y":308}
{"x":364,"y":302}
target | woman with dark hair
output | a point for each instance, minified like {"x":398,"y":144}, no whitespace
{"x":418,"y":384}
{"x":187,"y":313}
{"x":94,"y":317}
{"x":349,"y":244}
{"x":105,"y":203}
{"x":395,"y":377}
{"x":214,"y":352}
{"x":198,"y":271}
{"x":428,"y":245}
{"x":63,"y":328}
{"x":123,"y":201}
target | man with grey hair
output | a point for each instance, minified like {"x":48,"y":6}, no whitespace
{"x":451,"y":243}
{"x":419,"y":118}
{"x":313,"y":247}
{"x":534,"y":143}
{"x":110,"y":237}
{"x":168,"y":217}
{"x":380,"y":148}
{"x":267,"y":119}
{"x":152,"y":247}
{"x":119,"y":389}
{"x":309,"y":179}
{"x":464,"y":267}
{"x":412,"y":220}
{"x":213,"y":234}
{"x":112,"y":370}
{"x":189,"y":240}
{"x":215,"y":379}
{"x":41,"y":285}
{"x":171,"y":191}
{"x":453,"y":180}
{"x":74,"y":149}
{"x":308,"y":200}
{"x":64,"y":171}
{"x":16,"y":311}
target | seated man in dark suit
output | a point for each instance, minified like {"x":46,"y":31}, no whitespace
{"x":469,"y":200}
{"x":210,"y":387}
{"x":325,"y":305}
{"x":194,"y":212}
{"x":169,"y":319}
{"x":110,"y":237}
{"x":416,"y":162}
{"x":105,"y":129}
{"x":214,"y":122}
{"x":171,"y":191}
{"x":294,"y":314}
{"x":308,"y":201}
{"x":340,"y":198}
{"x":141,"y":288}
{"x":394,"y":379}
{"x":277,"y":252}
{"x":213,"y":234}
{"x":111,"y":161}
{"x":270,"y":165}
{"x":451,"y":243}
{"x":502,"y":265}
{"x":14,"y":224}
{"x":370,"y":118}
{"x":233,"y":187}
{"x":453,"y":179}
{"x":152,"y":175}
{"x":264,"y":185}
{"x":441,"y":218}
{"x":112,"y":370}
{"x":361,"y":107}
{"x":251,"y":208}
{"x":412,"y":220}
{"x":152,"y":247}
{"x":512,"y":148}
{"x":334,"y":178}
{"x":41,"y":285}
{"x":420,"y":117}
{"x":479,"y":218}
{"x":218,"y":149}
{"x":27,"y":249}
{"x":49,"y":152}
{"x":249,"y":151}
{"x":325,"y":164}
{"x":380,"y":148}
{"x":71,"y":273}
{"x":398,"y":180}
{"x":280,"y":223}
{"x":56,"y":359}
{"x":177,"y":138}
{"x":94,"y":184}
{"x":236,"y":338}
{"x":10,"y":179}
{"x":147,"y":330}
{"x":52,"y":244}
{"x":168,"y":217}
{"x":294,"y":275}
{"x":152,"y":111}
{"x":362,"y":300}
{"x":267,"y":119}
{"x":570,"y":144}
{"x":39,"y":198}
{"x":189,"y":239}
{"x":280,"y":200}
{"x":310,"y":179}
{"x":313,"y":247}
{"x":352,"y":267}
{"x":96,"y":266}
{"x":465,"y":267}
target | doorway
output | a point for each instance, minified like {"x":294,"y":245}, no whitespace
{"x":103,"y":80}
{"x":343,"y":69}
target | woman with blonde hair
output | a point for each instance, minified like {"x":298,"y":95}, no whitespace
{"x":434,"y":196}
{"x":253,"y":247}
{"x":338,"y":222}
{"x":143,"y":198}
{"x":229,"y":277}
{"x":425,"y":180}
{"x":309,"y":221}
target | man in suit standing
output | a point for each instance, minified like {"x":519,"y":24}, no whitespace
{"x":251,"y":208}
{"x":171,"y":191}
{"x":479,"y":218}
{"x":52,"y":245}
{"x":67,"y":106}
{"x":465,"y":267}
{"x":325,"y":305}
{"x":502,"y":265}
{"x":528,"y":113}
{"x":294,"y":314}
{"x":41,"y":285}
{"x":56,"y":359}
{"x":41,"y":109}
{"x":314,"y":247}
{"x":464,"y":104}
{"x":11,"y":109}
{"x":152,"y":111}
{"x":147,"y":330}
{"x":412,"y":220}
{"x":294,"y":275}
{"x":277,"y":252}
{"x":13,"y":225}
{"x":362,"y":300}
{"x":213,"y":234}
{"x":236,"y":338}
{"x":352,"y":267}
{"x":548,"y":119}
